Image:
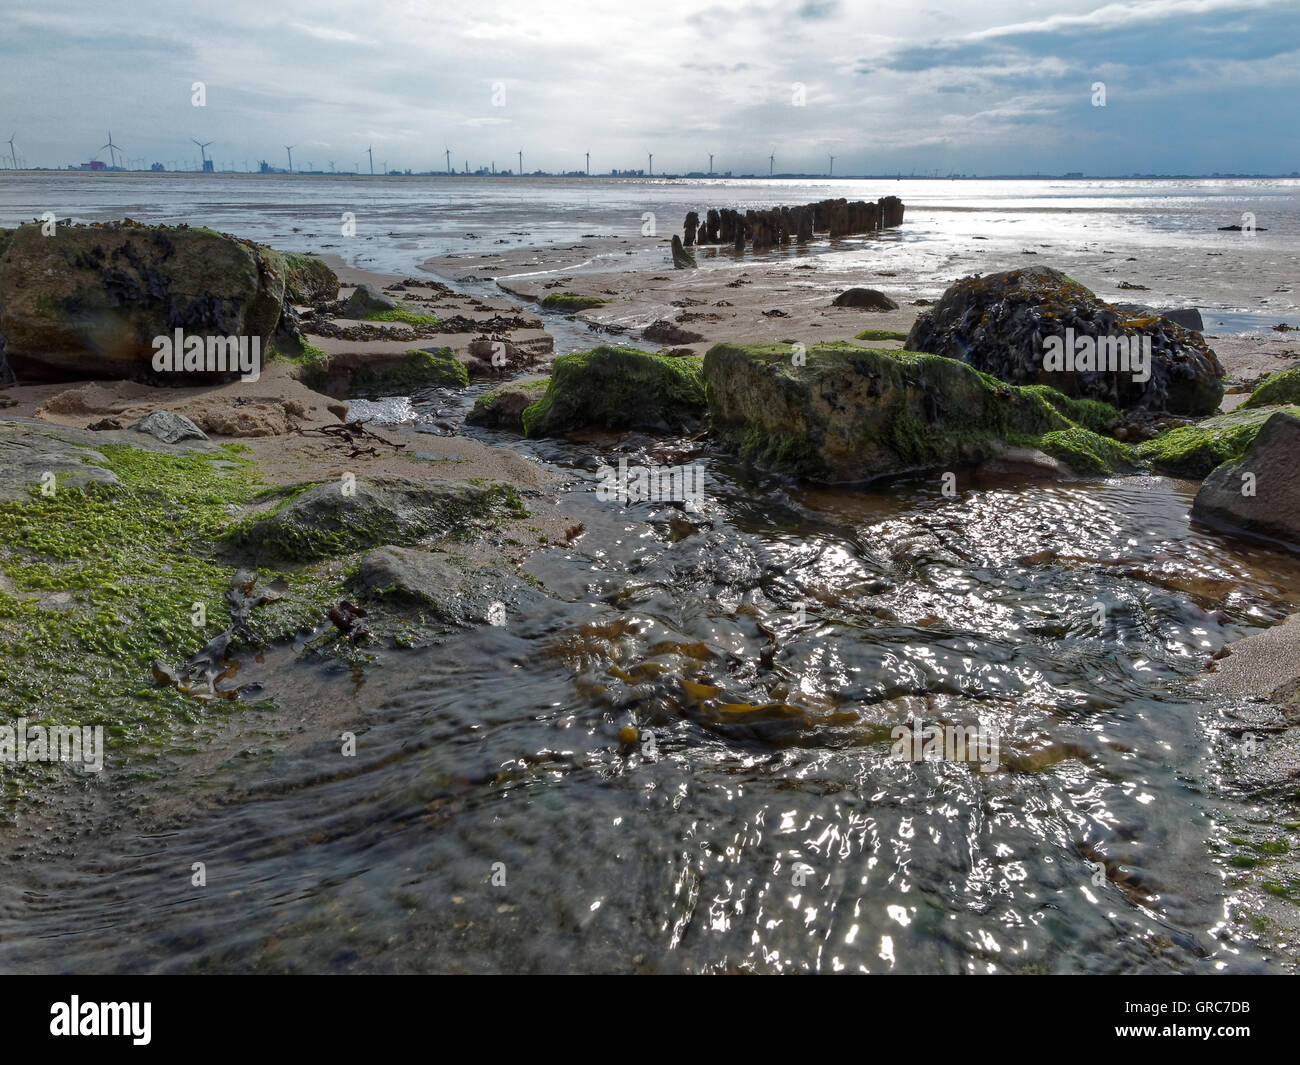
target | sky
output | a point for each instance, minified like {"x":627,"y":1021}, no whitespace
{"x":971,"y":87}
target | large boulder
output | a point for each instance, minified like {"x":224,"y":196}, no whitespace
{"x":88,"y":301}
{"x":618,"y":388}
{"x":1258,"y":495}
{"x":1004,"y":324}
{"x":842,"y":413}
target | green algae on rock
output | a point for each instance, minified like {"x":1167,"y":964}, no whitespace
{"x":1280,"y":387}
{"x":309,"y":522}
{"x":409,"y":373}
{"x":844,"y":413}
{"x":618,"y":388}
{"x":503,"y":408}
{"x":1258,"y":495}
{"x":571,"y":302}
{"x":1192,"y":451}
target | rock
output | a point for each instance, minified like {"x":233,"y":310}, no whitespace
{"x":999,"y":325}
{"x":373,"y":374}
{"x":504,"y":408}
{"x":1280,"y":387}
{"x":365,"y":302}
{"x":307,"y":280}
{"x":1187,"y":317}
{"x":571,"y":302}
{"x":31,"y":450}
{"x":339,"y":517}
{"x":168,"y":427}
{"x":664,"y":331}
{"x":1193,"y":451}
{"x":682,"y":259}
{"x":88,"y":301}
{"x":454,"y":590}
{"x":1258,"y":495}
{"x":618,"y":388}
{"x":853,"y":414}
{"x":867,"y":299}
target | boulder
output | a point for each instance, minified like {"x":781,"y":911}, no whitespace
{"x":1280,"y":387}
{"x":1193,"y":451}
{"x":454,"y":590}
{"x":307,"y":280}
{"x":1187,"y":317}
{"x":852,"y":414}
{"x":1002,"y":324}
{"x":504,"y":408}
{"x":665,"y":331}
{"x":88,"y":301}
{"x":365,"y":302}
{"x":168,"y":427}
{"x":618,"y":388}
{"x":354,"y":374}
{"x":1258,"y":495}
{"x":867,"y":299}
{"x":339,"y":517}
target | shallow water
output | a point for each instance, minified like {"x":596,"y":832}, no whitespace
{"x":682,"y":853}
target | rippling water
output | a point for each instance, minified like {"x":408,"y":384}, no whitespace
{"x":763,"y":647}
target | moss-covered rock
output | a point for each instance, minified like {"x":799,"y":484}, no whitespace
{"x":570,"y":302}
{"x":1259,"y":494}
{"x":1281,"y":387}
{"x":1192,"y":451}
{"x":851,"y":414}
{"x":408,"y":373}
{"x":316,"y":521}
{"x":307,"y":280}
{"x":503,"y":408}
{"x":1001,"y":323}
{"x":88,"y":301}
{"x":618,"y":388}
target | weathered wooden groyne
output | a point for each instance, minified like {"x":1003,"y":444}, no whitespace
{"x":781,"y":225}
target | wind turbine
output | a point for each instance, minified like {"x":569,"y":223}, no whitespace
{"x":521,"y":162}
{"x":771,"y":164}
{"x":588,"y":171}
{"x":203,"y":151}
{"x":710,"y":164}
{"x":331,"y":166}
{"x":652,"y":163}
{"x":371,"y":152}
{"x":448,"y":150}
{"x":13,"y":158}
{"x":289,"y":148}
{"x":111,"y":149}
{"x":831,"y":172}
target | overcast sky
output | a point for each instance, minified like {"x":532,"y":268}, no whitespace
{"x":985,"y":86}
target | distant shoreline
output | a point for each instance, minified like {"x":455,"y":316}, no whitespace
{"x":444,"y":176}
